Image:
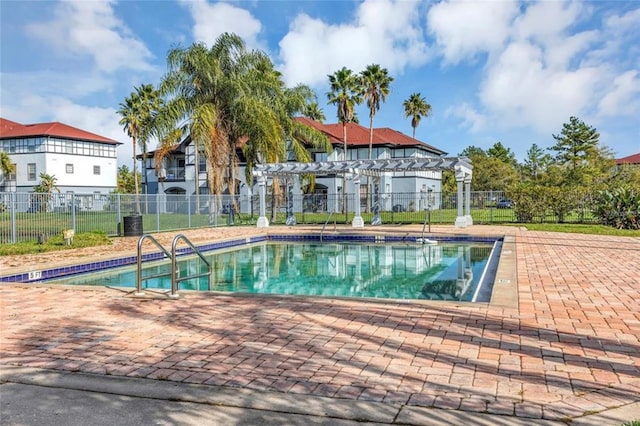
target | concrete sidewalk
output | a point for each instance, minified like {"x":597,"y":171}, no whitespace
{"x":36,"y":397}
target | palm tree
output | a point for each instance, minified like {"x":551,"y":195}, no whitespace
{"x":416,"y":107}
{"x":375,"y":83}
{"x":314,"y":112}
{"x":149,"y":104}
{"x":6,"y":166}
{"x":229,"y":97}
{"x":345,"y":94}
{"x":133,"y":123}
{"x":46,"y":186}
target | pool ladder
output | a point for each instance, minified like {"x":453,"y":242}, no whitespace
{"x":325,"y":225}
{"x":175,"y":278}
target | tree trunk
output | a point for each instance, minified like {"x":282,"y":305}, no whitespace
{"x":135,"y":176}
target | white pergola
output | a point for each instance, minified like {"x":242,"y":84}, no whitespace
{"x":356,"y":168}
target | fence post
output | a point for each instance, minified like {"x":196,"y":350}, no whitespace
{"x":157,"y":204}
{"x":189,"y":211}
{"x":73,"y":211}
{"x":119,"y":213}
{"x":13,"y":199}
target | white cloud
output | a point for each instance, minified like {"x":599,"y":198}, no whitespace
{"x":624,"y":97}
{"x":91,"y":28}
{"x":471,"y":118}
{"x":73,"y":84}
{"x":519,"y":90}
{"x":386,"y":32}
{"x":212,"y":20}
{"x":465,"y":29}
{"x":541,"y":67}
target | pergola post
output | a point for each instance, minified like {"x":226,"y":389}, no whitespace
{"x":357,"y":219}
{"x":461,"y":220}
{"x":462,"y":166}
{"x":263,"y":222}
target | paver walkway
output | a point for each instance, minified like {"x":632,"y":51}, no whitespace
{"x":571,"y":348}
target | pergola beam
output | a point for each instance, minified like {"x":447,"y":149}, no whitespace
{"x":461,"y":165}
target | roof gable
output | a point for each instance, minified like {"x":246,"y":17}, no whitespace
{"x":358,"y":135}
{"x":11,"y":129}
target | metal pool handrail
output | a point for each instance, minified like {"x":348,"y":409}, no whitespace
{"x":175,"y":279}
{"x":139,"y":268}
{"x":325,"y":225}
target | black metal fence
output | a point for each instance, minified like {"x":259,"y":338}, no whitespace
{"x":31,"y":216}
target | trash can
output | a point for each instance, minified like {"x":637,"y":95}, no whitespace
{"x":132,"y":226}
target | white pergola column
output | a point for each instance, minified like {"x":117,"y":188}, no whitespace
{"x":467,"y":194}
{"x":357,"y":222}
{"x":461,"y":220}
{"x":263,"y":222}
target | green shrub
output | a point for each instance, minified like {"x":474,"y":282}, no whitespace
{"x":528,"y":201}
{"x":618,"y":207}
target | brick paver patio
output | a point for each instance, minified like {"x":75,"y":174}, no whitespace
{"x":572,"y":347}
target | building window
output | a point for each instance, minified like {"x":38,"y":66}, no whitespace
{"x":321,"y":156}
{"x":69,"y":168}
{"x":31,"y":171}
{"x":12,"y":175}
{"x":96,"y":170}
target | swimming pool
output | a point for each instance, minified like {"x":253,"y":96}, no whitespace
{"x":455,"y":271}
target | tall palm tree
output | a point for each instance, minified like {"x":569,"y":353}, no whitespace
{"x":229,"y":97}
{"x":132,"y":123}
{"x":345,"y":94}
{"x":416,"y":107}
{"x":314,"y":112}
{"x":149,"y":104}
{"x":375,"y":83}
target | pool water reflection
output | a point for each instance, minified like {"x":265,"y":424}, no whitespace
{"x":447,"y":271}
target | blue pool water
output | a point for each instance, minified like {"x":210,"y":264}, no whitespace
{"x":448,"y":271}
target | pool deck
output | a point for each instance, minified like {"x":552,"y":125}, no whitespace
{"x":564,"y":346}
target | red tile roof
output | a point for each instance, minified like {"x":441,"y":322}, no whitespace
{"x":630,"y":159}
{"x":11,"y":129}
{"x":358,"y":136}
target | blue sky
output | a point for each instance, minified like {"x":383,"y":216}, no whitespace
{"x":500,"y":70}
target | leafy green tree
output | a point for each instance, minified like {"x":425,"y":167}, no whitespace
{"x":536,"y":162}
{"x":126,"y":181}
{"x":502,"y":153}
{"x":575,"y":145}
{"x":491,"y":174}
{"x":416,"y":107}
{"x":472,"y":151}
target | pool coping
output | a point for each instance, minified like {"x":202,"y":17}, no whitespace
{"x":504,"y":292}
